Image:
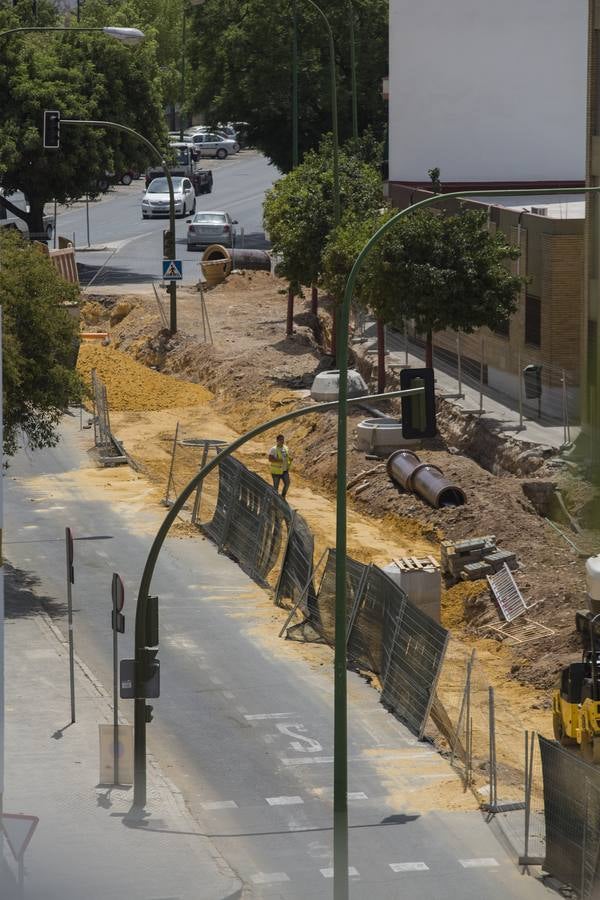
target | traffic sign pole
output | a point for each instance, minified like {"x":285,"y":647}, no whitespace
{"x":70,"y":581}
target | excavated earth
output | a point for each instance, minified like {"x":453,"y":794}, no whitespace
{"x":253,"y":372}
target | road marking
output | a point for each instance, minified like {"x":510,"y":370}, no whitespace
{"x":357,"y":795}
{"x":306,"y":760}
{"x":220,"y":804}
{"x":482,"y":863}
{"x":409,"y":867}
{"x":328,"y":873}
{"x":269,"y":878}
{"x":29,"y":527}
{"x":311,"y":760}
{"x":50,"y":509}
{"x":259,"y":717}
{"x":284,"y":801}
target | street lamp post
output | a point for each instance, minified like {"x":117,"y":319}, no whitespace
{"x":334,"y":110}
{"x":351,"y":20}
{"x":340,"y":762}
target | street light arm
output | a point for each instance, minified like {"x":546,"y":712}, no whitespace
{"x":127,"y":35}
{"x":96,"y":123}
{"x":139,"y":796}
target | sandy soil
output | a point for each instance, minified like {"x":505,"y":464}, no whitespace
{"x":252,"y":372}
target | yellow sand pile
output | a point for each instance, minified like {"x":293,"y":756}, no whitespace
{"x":132,"y":386}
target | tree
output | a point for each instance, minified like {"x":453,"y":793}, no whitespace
{"x":85,"y":76}
{"x":39,"y":344}
{"x":439,"y":271}
{"x":241,"y":69}
{"x":298,"y":210}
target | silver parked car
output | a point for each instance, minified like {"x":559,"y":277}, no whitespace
{"x":156,"y":200}
{"x":207,"y":143}
{"x":211,"y":228}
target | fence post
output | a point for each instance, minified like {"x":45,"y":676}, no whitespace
{"x":360,"y":590}
{"x":461,"y":715}
{"x":520,"y":382}
{"x":285,"y":556}
{"x":493,"y":771}
{"x":481,"y":376}
{"x":529,"y":747}
{"x":198,"y":497}
{"x":459,"y":367}
{"x":171,"y":466}
{"x":230,"y":509}
{"x":405,"y":345}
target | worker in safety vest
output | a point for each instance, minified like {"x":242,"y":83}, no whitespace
{"x":281,"y":462}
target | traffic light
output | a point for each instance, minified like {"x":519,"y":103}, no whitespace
{"x":418,"y":410}
{"x":51,"y":129}
{"x":150,"y":686}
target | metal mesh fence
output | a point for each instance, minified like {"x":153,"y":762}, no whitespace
{"x":572,"y":813}
{"x":480,"y":370}
{"x":102,"y":435}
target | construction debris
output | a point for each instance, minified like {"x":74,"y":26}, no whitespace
{"x":474,"y":558}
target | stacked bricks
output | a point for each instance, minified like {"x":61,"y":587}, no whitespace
{"x":474,"y":558}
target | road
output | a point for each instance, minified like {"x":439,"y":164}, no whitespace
{"x":134,"y":245}
{"x":244,"y":722}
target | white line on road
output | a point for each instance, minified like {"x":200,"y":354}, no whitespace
{"x":284,"y":801}
{"x":328,"y":873}
{"x":269,"y":878}
{"x":259,"y":717}
{"x":357,"y":795}
{"x":409,"y":867}
{"x":482,"y":863}
{"x":220,"y":804}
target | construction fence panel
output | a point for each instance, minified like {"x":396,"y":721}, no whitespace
{"x":324,"y":612}
{"x":571,"y":789}
{"x":369,"y":642}
{"x":412,"y":665}
{"x":296,"y":582}
{"x":250,"y":519}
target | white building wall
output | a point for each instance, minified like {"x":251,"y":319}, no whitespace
{"x":487,"y":90}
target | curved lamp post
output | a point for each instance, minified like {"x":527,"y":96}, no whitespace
{"x":340,"y":700}
{"x":125,"y":35}
{"x":334,"y":110}
{"x":96,"y":123}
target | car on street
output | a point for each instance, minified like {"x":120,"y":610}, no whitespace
{"x":214,"y":227}
{"x":207,"y":143}
{"x":156,"y":200}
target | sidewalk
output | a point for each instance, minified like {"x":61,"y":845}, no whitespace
{"x":500,"y":413}
{"x":83,"y":849}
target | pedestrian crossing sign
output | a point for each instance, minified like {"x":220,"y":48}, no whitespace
{"x":172,"y":270}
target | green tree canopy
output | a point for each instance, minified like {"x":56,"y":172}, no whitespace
{"x":439,"y":271}
{"x":85,"y":76}
{"x":39,"y":344}
{"x":241,"y":69}
{"x":298,"y":210}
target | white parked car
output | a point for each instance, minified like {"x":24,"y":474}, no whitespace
{"x":211,"y":228}
{"x":156,"y":201}
{"x":207,"y":143}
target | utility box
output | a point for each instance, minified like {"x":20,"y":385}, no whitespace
{"x":420,"y":578}
{"x":532,"y":377}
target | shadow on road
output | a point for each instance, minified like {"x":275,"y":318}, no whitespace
{"x":22,"y":601}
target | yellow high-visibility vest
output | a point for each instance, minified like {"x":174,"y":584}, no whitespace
{"x":278,"y":466}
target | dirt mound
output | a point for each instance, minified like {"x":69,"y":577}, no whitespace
{"x":132,"y":386}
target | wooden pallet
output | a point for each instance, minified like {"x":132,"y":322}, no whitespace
{"x":416,"y":563}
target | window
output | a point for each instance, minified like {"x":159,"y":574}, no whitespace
{"x":533,"y":320}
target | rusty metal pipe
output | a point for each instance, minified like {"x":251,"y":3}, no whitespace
{"x":426,"y":480}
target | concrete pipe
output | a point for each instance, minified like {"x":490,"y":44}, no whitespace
{"x":423,"y":479}
{"x":216,"y":264}
{"x":258,"y":260}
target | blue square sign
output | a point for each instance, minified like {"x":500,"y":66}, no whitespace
{"x":172,"y":270}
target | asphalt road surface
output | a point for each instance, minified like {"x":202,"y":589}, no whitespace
{"x":243,"y":728}
{"x":134,"y":246}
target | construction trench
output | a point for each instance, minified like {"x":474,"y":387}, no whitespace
{"x":250,"y":374}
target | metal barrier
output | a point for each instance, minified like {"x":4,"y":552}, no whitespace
{"x":111,"y":451}
{"x":572,"y":814}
